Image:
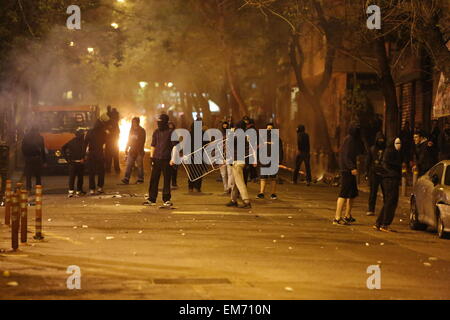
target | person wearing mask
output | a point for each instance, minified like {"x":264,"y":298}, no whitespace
{"x":74,"y":154}
{"x":303,"y":155}
{"x":374,"y":168}
{"x":391,"y":175}
{"x":423,"y":153}
{"x":271,"y":178}
{"x":135,"y":152}
{"x":112,"y":141}
{"x":350,"y":149}
{"x":160,"y":155}
{"x":226,"y":169}
{"x":94,"y":146}
{"x":444,"y":143}
{"x":33,"y":150}
{"x":239,"y":162}
{"x":174,"y":167}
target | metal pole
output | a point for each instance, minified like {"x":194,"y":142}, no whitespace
{"x":38,"y":235}
{"x":404,"y":181}
{"x":8,"y":202}
{"x":23,"y":216}
{"x":15,"y":222}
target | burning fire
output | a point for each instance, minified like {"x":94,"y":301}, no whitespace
{"x":125,"y":126}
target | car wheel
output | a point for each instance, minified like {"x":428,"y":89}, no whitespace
{"x":440,"y":228}
{"x":414,"y":223}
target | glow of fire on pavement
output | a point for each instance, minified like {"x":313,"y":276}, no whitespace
{"x":125,"y":126}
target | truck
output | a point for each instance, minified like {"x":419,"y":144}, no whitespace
{"x":57,"y":125}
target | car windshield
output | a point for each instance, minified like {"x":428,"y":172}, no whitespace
{"x":58,"y":121}
{"x":447,"y":176}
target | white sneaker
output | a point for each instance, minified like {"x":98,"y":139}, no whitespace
{"x":71,"y":194}
{"x":370,"y":213}
{"x":92,"y":192}
{"x":168,"y":204}
{"x":100,"y":190}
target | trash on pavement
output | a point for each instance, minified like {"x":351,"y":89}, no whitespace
{"x":109,"y":238}
{"x":12,"y":284}
{"x":427,"y":264}
{"x":432,"y":258}
{"x":288,"y":289}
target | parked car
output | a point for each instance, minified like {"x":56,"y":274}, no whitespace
{"x":430,"y":200}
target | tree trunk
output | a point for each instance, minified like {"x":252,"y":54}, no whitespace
{"x":388,"y":89}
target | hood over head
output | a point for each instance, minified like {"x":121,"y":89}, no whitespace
{"x":301,"y":128}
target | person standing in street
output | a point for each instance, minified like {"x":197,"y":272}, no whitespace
{"x":74,"y":155}
{"x":94,"y":146}
{"x":112,"y":141}
{"x":374,"y":168}
{"x":239,"y":162}
{"x":160,"y":155}
{"x":303,"y":155}
{"x":350,"y":149}
{"x":271,"y":178}
{"x":135,"y":151}
{"x":423,"y":153}
{"x":33,"y":150}
{"x":391,"y":175}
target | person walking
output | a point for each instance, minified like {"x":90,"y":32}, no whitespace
{"x":73,"y":152}
{"x":374,"y":168}
{"x":272,"y":178}
{"x":303,"y":155}
{"x":391,"y":175}
{"x":160,"y":155}
{"x":239,"y":162}
{"x":112,"y":141}
{"x":33,"y":150}
{"x":135,"y":152}
{"x":94,"y":146}
{"x":350,"y":149}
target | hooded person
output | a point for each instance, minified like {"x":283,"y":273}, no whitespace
{"x":374,"y":168}
{"x":160,"y":155}
{"x":303,"y":155}
{"x":73,"y":152}
{"x":391,"y":175}
{"x":112,"y":141}
{"x":350,"y":149}
{"x":423,"y":153}
{"x":34,"y":153}
{"x":94,"y":146}
{"x":135,"y":151}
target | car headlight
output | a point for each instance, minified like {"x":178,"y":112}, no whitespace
{"x":58,"y":153}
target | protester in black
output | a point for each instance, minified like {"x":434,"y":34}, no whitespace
{"x":350,"y":149}
{"x":94,"y":145}
{"x":34,"y":153}
{"x":73,"y":152}
{"x":303,"y":155}
{"x":135,"y":151}
{"x":112,"y":141}
{"x":391,"y":175}
{"x":423,"y":156}
{"x":160,"y":154}
{"x":373,"y":169}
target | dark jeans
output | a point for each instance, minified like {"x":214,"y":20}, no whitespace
{"x":375,"y":182}
{"x":133,"y":159}
{"x":302,"y":157}
{"x":33,"y":167}
{"x":76,"y":170}
{"x":160,"y":165}
{"x":112,"y":155}
{"x":389,"y":187}
{"x":197,"y":184}
{"x":174,"y":175}
{"x":96,"y":166}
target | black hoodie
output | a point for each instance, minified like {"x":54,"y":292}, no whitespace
{"x":33,"y":146}
{"x":392,"y":162}
{"x":95,"y":140}
{"x":302,"y":140}
{"x":350,"y":149}
{"x":375,"y":155}
{"x":73,"y":150}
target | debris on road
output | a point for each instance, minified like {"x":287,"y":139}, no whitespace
{"x":109,"y":238}
{"x":382,"y":244}
{"x":432,"y":258}
{"x":427,"y":264}
{"x":49,"y":220}
{"x":84,"y":226}
{"x":367,"y":244}
{"x":12,"y":284}
{"x":140,"y":231}
{"x":288,"y":289}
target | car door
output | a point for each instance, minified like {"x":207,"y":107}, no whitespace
{"x":431,"y":192}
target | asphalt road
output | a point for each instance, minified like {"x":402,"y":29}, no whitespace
{"x":282,"y":249}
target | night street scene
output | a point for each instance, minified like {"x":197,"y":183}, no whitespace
{"x":224,"y":150}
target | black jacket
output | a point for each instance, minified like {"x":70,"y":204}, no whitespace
{"x":303,"y":141}
{"x":33,"y":146}
{"x":423,"y":157}
{"x":73,"y":150}
{"x":95,"y":141}
{"x":136,"y":141}
{"x":375,"y":156}
{"x":350,"y":149}
{"x":392,"y":162}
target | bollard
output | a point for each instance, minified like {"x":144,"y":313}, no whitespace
{"x":23,"y":216}
{"x":38,"y":222}
{"x":15,"y":222}
{"x":404,"y":181}
{"x":8,"y":202}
